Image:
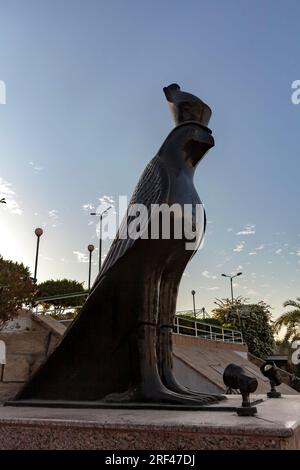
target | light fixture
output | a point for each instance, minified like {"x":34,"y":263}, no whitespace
{"x":272,"y":373}
{"x":235,"y":377}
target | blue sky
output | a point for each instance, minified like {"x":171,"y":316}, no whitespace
{"x":85,"y":112}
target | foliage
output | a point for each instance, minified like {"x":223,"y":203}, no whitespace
{"x":16,"y":289}
{"x":61,"y":287}
{"x":290,"y":320}
{"x":253,"y":320}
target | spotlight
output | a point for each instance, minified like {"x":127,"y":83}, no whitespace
{"x":270,"y":371}
{"x":235,"y":377}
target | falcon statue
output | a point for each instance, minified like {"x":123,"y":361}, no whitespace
{"x":119,"y":348}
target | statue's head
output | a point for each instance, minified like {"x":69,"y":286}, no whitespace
{"x":186,"y":107}
{"x":191,"y":140}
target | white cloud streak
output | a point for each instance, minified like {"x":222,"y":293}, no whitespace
{"x":6,"y":191}
{"x":53,"y":214}
{"x":247,"y":230}
{"x":81,"y":257}
{"x":208,"y":276}
{"x":239,"y":247}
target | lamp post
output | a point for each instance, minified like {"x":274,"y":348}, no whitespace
{"x":91,"y":249}
{"x":39,"y":232}
{"x":100,"y":232}
{"x":231,"y":285}
{"x":194,"y":307}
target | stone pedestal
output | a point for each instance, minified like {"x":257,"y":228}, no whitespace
{"x":276,"y":426}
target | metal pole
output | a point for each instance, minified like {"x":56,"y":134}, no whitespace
{"x":231,"y":286}
{"x":90,"y":270}
{"x":39,"y":233}
{"x":100,"y":242}
{"x":36,"y":258}
{"x":194,"y":307}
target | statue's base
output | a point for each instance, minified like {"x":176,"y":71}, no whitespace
{"x":220,"y":406}
{"x":276,"y":426}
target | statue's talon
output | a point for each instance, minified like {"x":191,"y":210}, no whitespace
{"x":167,"y":396}
{"x":171,"y":383}
{"x":161,"y":395}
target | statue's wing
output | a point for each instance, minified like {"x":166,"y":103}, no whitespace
{"x":152,"y":188}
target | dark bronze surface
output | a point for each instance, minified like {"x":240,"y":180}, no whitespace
{"x":119,"y":348}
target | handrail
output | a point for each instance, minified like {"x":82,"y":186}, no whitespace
{"x":207,"y":330}
{"x":183,"y":325}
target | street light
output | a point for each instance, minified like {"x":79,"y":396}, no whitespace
{"x":231,"y":286}
{"x":193,"y":294}
{"x":39,"y":232}
{"x":100,"y":232}
{"x":91,"y":249}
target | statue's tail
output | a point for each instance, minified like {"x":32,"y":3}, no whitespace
{"x":95,"y":357}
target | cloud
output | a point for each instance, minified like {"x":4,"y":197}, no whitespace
{"x":106,"y":200}
{"x":229,"y":229}
{"x":53,"y":214}
{"x":6,"y":191}
{"x":213,"y":288}
{"x":46,"y":258}
{"x":34,"y":166}
{"x":239,"y":247}
{"x":247,"y":230}
{"x":208,"y":276}
{"x":252,"y":253}
{"x":81,"y":257}
{"x":260,"y":247}
{"x":88,"y":207}
{"x":279,"y":251}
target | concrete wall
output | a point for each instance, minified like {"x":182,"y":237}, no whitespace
{"x":193,"y":380}
{"x":26,"y":349}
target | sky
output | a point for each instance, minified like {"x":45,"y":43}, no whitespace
{"x":85,"y":112}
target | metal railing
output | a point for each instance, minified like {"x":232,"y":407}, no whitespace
{"x":208,"y":331}
{"x":182,"y":325}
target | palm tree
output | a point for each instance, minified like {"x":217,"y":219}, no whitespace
{"x":290,"y":319}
